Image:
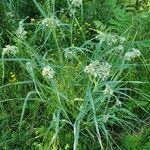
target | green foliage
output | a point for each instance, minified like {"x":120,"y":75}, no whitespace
{"x":135,"y":5}
{"x":70,"y":106}
{"x":137,"y":141}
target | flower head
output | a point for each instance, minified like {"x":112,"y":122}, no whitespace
{"x":10,"y":50}
{"x":98,"y":69}
{"x":21,"y":33}
{"x":118,"y":103}
{"x":51,"y":22}
{"x":48,"y":72}
{"x":108,"y":90}
{"x":105,"y":118}
{"x":132,"y":54}
{"x":76,"y":3}
{"x":122,"y":39}
{"x":119,"y":49}
{"x":69,"y":53}
{"x":109,"y":38}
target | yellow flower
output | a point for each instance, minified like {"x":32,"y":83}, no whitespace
{"x":13,"y":77}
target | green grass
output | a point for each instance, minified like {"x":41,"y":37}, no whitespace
{"x":74,"y":109}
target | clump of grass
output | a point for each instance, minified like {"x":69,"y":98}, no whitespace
{"x":75,"y":91}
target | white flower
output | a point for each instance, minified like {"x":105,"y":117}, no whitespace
{"x":119,"y":49}
{"x":137,"y":52}
{"x":51,"y":22}
{"x":118,"y":103}
{"x":76,"y":3}
{"x":108,"y":90}
{"x":122,"y":40}
{"x":48,"y":72}
{"x":21,"y":33}
{"x":91,"y":69}
{"x":132,"y":54}
{"x":72,"y":11}
{"x":109,"y":38}
{"x":105,"y":118}
{"x":10,"y":50}
{"x":69,"y":53}
{"x":98,"y":69}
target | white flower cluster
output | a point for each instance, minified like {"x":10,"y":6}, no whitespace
{"x":122,"y":39}
{"x":132,"y":54}
{"x":105,"y":118}
{"x":21,"y":33}
{"x":118,"y":103}
{"x":69,"y":53}
{"x":51,"y":22}
{"x":48,"y":72}
{"x":108,"y":90}
{"x":98,"y":69}
{"x":76,"y":3}
{"x":10,"y":50}
{"x":119,"y":49}
{"x":110,"y":38}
